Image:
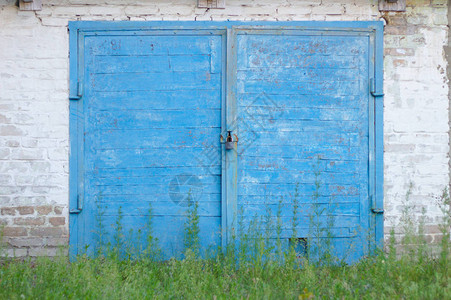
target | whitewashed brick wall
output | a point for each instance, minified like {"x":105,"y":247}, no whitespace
{"x":34,"y":119}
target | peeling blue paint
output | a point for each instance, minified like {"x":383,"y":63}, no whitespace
{"x":149,"y":101}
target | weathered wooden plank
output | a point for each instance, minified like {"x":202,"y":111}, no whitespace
{"x":312,"y":152}
{"x":150,"y":64}
{"x":155,"y":81}
{"x":299,"y":101}
{"x":175,"y":138}
{"x":144,"y":45}
{"x":302,"y":198}
{"x":304,"y":209}
{"x":193,"y":120}
{"x":301,"y":125}
{"x":339,"y":221}
{"x":329,"y":88}
{"x":205,"y":178}
{"x":183,"y":158}
{"x":159,"y":208}
{"x":264,"y":112}
{"x":199,"y":170}
{"x":301,"y":45}
{"x":329,"y":139}
{"x":149,"y":189}
{"x":295,"y":74}
{"x":272,"y":178}
{"x":267,"y":177}
{"x":316,"y":62}
{"x":285,"y":190}
{"x":154,"y":100}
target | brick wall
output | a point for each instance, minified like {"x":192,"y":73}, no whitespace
{"x":416,"y":113}
{"x":34,"y":102}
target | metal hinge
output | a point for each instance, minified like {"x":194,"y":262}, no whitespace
{"x":377,"y":210}
{"x":78,"y":94}
{"x":79,"y":206}
{"x":373,"y":89}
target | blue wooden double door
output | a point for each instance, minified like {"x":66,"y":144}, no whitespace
{"x":155,"y":110}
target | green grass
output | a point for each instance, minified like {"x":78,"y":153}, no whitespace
{"x":373,"y":278}
{"x":242,"y":273}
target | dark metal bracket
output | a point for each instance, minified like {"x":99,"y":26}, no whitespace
{"x":373,"y":91}
{"x":377,"y":210}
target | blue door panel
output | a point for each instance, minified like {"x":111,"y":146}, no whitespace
{"x":151,"y":103}
{"x":303,"y":106}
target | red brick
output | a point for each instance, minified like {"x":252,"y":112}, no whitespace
{"x":48,"y":231}
{"x":48,"y":251}
{"x":16,"y":252}
{"x":55,"y":242}
{"x":14,"y":231}
{"x":432,"y":229}
{"x":29,"y":221}
{"x":10,"y":211}
{"x":25,"y":242}
{"x":437,"y":238}
{"x":428,"y":238}
{"x":399,"y":62}
{"x":44,"y":210}
{"x":58,"y":210}
{"x":25,"y":210}
{"x":396,"y":20}
{"x":57,"y":221}
{"x":400,"y":30}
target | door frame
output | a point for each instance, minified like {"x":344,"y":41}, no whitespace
{"x":79,"y":29}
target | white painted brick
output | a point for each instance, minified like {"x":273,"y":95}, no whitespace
{"x":4,"y":153}
{"x":28,"y":154}
{"x":259,"y":10}
{"x":294,"y":10}
{"x":359,"y":10}
{"x":106,"y":10}
{"x":140,"y":10}
{"x":328,"y":9}
{"x":56,"y":154}
{"x":176,"y":10}
{"x":70,"y":10}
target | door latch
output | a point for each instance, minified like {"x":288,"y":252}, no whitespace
{"x":79,"y":206}
{"x":377,"y":211}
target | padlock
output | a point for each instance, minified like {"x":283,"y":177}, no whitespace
{"x":229,"y":141}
